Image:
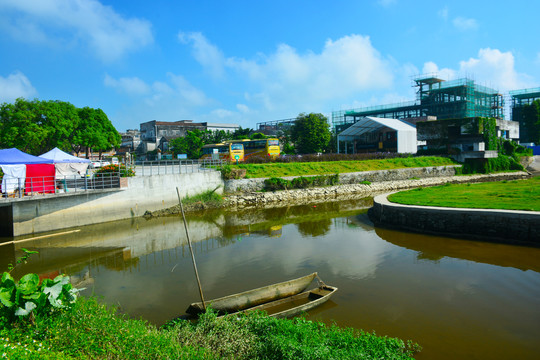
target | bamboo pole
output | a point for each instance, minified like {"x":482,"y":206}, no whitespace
{"x":191,"y":249}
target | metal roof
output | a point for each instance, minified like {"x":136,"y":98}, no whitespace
{"x":370,"y":124}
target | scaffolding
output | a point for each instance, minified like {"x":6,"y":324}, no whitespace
{"x":456,"y":99}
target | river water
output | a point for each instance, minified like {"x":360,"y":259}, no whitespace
{"x":456,"y":298}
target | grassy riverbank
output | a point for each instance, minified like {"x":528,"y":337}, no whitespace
{"x":506,"y":195}
{"x":93,"y":331}
{"x":338,"y":167}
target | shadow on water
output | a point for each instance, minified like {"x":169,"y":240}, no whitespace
{"x":433,"y":248}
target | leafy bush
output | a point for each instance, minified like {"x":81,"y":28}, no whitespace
{"x":28,"y":297}
{"x":228,"y":172}
{"x":274,"y":184}
{"x":122,"y":169}
{"x":301,"y":182}
{"x":226,"y":337}
{"x":486,"y":166}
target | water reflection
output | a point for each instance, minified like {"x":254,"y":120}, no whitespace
{"x":458,"y":298}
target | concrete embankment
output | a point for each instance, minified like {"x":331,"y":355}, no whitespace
{"x":351,"y":191}
{"x":144,"y":193}
{"x":508,"y":226}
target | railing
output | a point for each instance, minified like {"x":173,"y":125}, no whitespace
{"x":164,"y":167}
{"x":13,"y":187}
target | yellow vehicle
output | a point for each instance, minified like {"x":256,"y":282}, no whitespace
{"x":224,"y":151}
{"x":265,"y":147}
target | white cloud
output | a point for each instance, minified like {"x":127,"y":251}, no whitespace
{"x":465,"y":24}
{"x":132,"y":85}
{"x":432,"y":68}
{"x":14,"y":86}
{"x":207,"y":54}
{"x":491,"y":67}
{"x":345,"y":66}
{"x":106,"y":32}
{"x":242,"y":108}
{"x":443,"y":13}
{"x":497,"y":68}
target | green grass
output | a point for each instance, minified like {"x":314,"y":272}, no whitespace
{"x":506,"y":195}
{"x":207,"y":197}
{"x":338,"y":167}
{"x":93,"y":331}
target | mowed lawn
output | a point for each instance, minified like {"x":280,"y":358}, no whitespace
{"x":337,"y":167}
{"x":507,"y":195}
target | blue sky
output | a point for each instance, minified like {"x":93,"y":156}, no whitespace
{"x":246,"y":62}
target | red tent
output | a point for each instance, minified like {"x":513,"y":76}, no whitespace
{"x":40,"y":178}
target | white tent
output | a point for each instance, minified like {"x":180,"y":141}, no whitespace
{"x":66,"y":164}
{"x":406,"y":133}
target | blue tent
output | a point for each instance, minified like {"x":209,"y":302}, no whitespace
{"x":15,"y":156}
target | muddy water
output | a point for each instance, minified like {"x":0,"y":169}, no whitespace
{"x":457,"y":298}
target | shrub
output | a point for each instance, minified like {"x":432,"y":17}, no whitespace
{"x":274,"y":184}
{"x":115,"y":169}
{"x":28,"y":297}
{"x":301,"y":182}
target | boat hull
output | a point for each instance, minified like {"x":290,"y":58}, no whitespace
{"x":255,"y":297}
{"x":297,"y":304}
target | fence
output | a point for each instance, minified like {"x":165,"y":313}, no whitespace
{"x":164,"y":167}
{"x":41,"y":185}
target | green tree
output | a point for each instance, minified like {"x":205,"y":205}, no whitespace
{"x":257,"y":136}
{"x":191,"y":144}
{"x":241,"y":133}
{"x":310,"y":133}
{"x":37,"y":126}
{"x":94,"y":132}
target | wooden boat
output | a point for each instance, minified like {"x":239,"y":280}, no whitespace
{"x":297,"y":304}
{"x":255,"y":297}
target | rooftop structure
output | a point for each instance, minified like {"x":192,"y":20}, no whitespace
{"x":455,"y":99}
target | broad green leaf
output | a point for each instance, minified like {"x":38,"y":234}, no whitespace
{"x":28,"y":307}
{"x":53,"y":293}
{"x":5,"y":297}
{"x":28,"y":284}
{"x":7,"y":280}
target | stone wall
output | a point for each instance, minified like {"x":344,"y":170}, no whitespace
{"x":516,"y":227}
{"x":251,"y":185}
{"x":351,"y":191}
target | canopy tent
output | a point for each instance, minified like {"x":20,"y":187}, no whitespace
{"x":15,"y":156}
{"x":14,"y":165}
{"x":66,"y":164}
{"x":59,"y":156}
{"x":406,"y":133}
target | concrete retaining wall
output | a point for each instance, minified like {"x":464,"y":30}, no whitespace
{"x":252,"y":185}
{"x":34,"y":215}
{"x":516,"y":227}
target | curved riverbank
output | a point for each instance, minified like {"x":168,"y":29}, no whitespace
{"x":253,"y":199}
{"x":494,"y":225}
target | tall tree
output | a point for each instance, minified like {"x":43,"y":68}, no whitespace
{"x":37,"y":126}
{"x":94,"y":132}
{"x":310,"y":133}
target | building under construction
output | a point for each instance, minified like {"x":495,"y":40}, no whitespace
{"x":521,"y":99}
{"x":456,"y":99}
